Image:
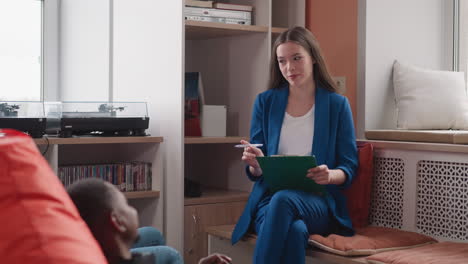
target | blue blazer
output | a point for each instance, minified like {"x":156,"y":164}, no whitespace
{"x":334,"y":144}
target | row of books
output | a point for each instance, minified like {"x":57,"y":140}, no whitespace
{"x":128,"y":177}
{"x":211,"y":11}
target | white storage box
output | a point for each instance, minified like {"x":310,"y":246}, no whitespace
{"x":213,"y":119}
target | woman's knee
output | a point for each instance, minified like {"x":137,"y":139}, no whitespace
{"x":298,"y":232}
{"x":282,"y":196}
{"x":282,"y":199}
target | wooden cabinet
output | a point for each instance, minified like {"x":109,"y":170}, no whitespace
{"x":198,"y":218}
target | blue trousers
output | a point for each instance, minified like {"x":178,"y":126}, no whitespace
{"x":151,"y":240}
{"x":283,"y":223}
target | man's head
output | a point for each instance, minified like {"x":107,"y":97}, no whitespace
{"x":105,"y":210}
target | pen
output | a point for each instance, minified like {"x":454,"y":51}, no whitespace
{"x":248,"y":145}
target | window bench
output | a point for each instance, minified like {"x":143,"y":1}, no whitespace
{"x":417,"y":186}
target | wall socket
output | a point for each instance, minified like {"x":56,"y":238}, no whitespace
{"x":341,"y":83}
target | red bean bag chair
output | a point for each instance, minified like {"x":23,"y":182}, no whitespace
{"x":39,"y":222}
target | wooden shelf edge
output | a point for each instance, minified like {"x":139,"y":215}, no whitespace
{"x":142,"y":194}
{"x":215,"y":25}
{"x":213,"y":140}
{"x":210,"y":196}
{"x":96,"y":140}
{"x":278,"y":30}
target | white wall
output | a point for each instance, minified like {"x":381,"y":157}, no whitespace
{"x":416,"y":32}
{"x":148,"y":50}
{"x":51,"y":59}
{"x":84,"y":50}
{"x":143,"y":63}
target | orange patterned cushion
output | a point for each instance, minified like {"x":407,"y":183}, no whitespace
{"x":439,"y":253}
{"x":370,"y":240}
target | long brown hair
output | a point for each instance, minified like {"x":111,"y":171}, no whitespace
{"x":307,"y":40}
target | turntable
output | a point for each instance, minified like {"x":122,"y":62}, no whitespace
{"x":25,"y":116}
{"x":100,"y":119}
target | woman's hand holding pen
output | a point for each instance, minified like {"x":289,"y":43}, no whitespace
{"x":323,"y":175}
{"x":249,"y":157}
{"x":320,"y":174}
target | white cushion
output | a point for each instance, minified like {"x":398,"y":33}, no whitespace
{"x":429,"y":99}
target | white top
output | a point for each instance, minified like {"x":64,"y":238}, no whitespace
{"x":297,"y":134}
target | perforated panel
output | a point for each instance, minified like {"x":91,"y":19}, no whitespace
{"x":387,"y":195}
{"x":442,"y":202}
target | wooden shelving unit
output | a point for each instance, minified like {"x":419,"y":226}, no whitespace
{"x":213,"y":140}
{"x":142,"y":194}
{"x":109,"y":150}
{"x":208,"y":30}
{"x":233,"y":60}
{"x":95,"y":140}
{"x":210,"y":196}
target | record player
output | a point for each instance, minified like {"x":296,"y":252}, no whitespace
{"x":98,"y":118}
{"x":25,"y":116}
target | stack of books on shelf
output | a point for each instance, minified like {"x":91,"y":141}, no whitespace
{"x":212,"y":11}
{"x":128,"y":177}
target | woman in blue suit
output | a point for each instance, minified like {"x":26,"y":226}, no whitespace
{"x":299,"y":114}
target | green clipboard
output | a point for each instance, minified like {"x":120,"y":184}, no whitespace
{"x":289,"y":172}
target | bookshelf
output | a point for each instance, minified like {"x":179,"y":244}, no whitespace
{"x":105,"y":150}
{"x":233,"y":61}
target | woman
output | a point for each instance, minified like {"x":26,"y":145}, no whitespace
{"x":299,"y":114}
